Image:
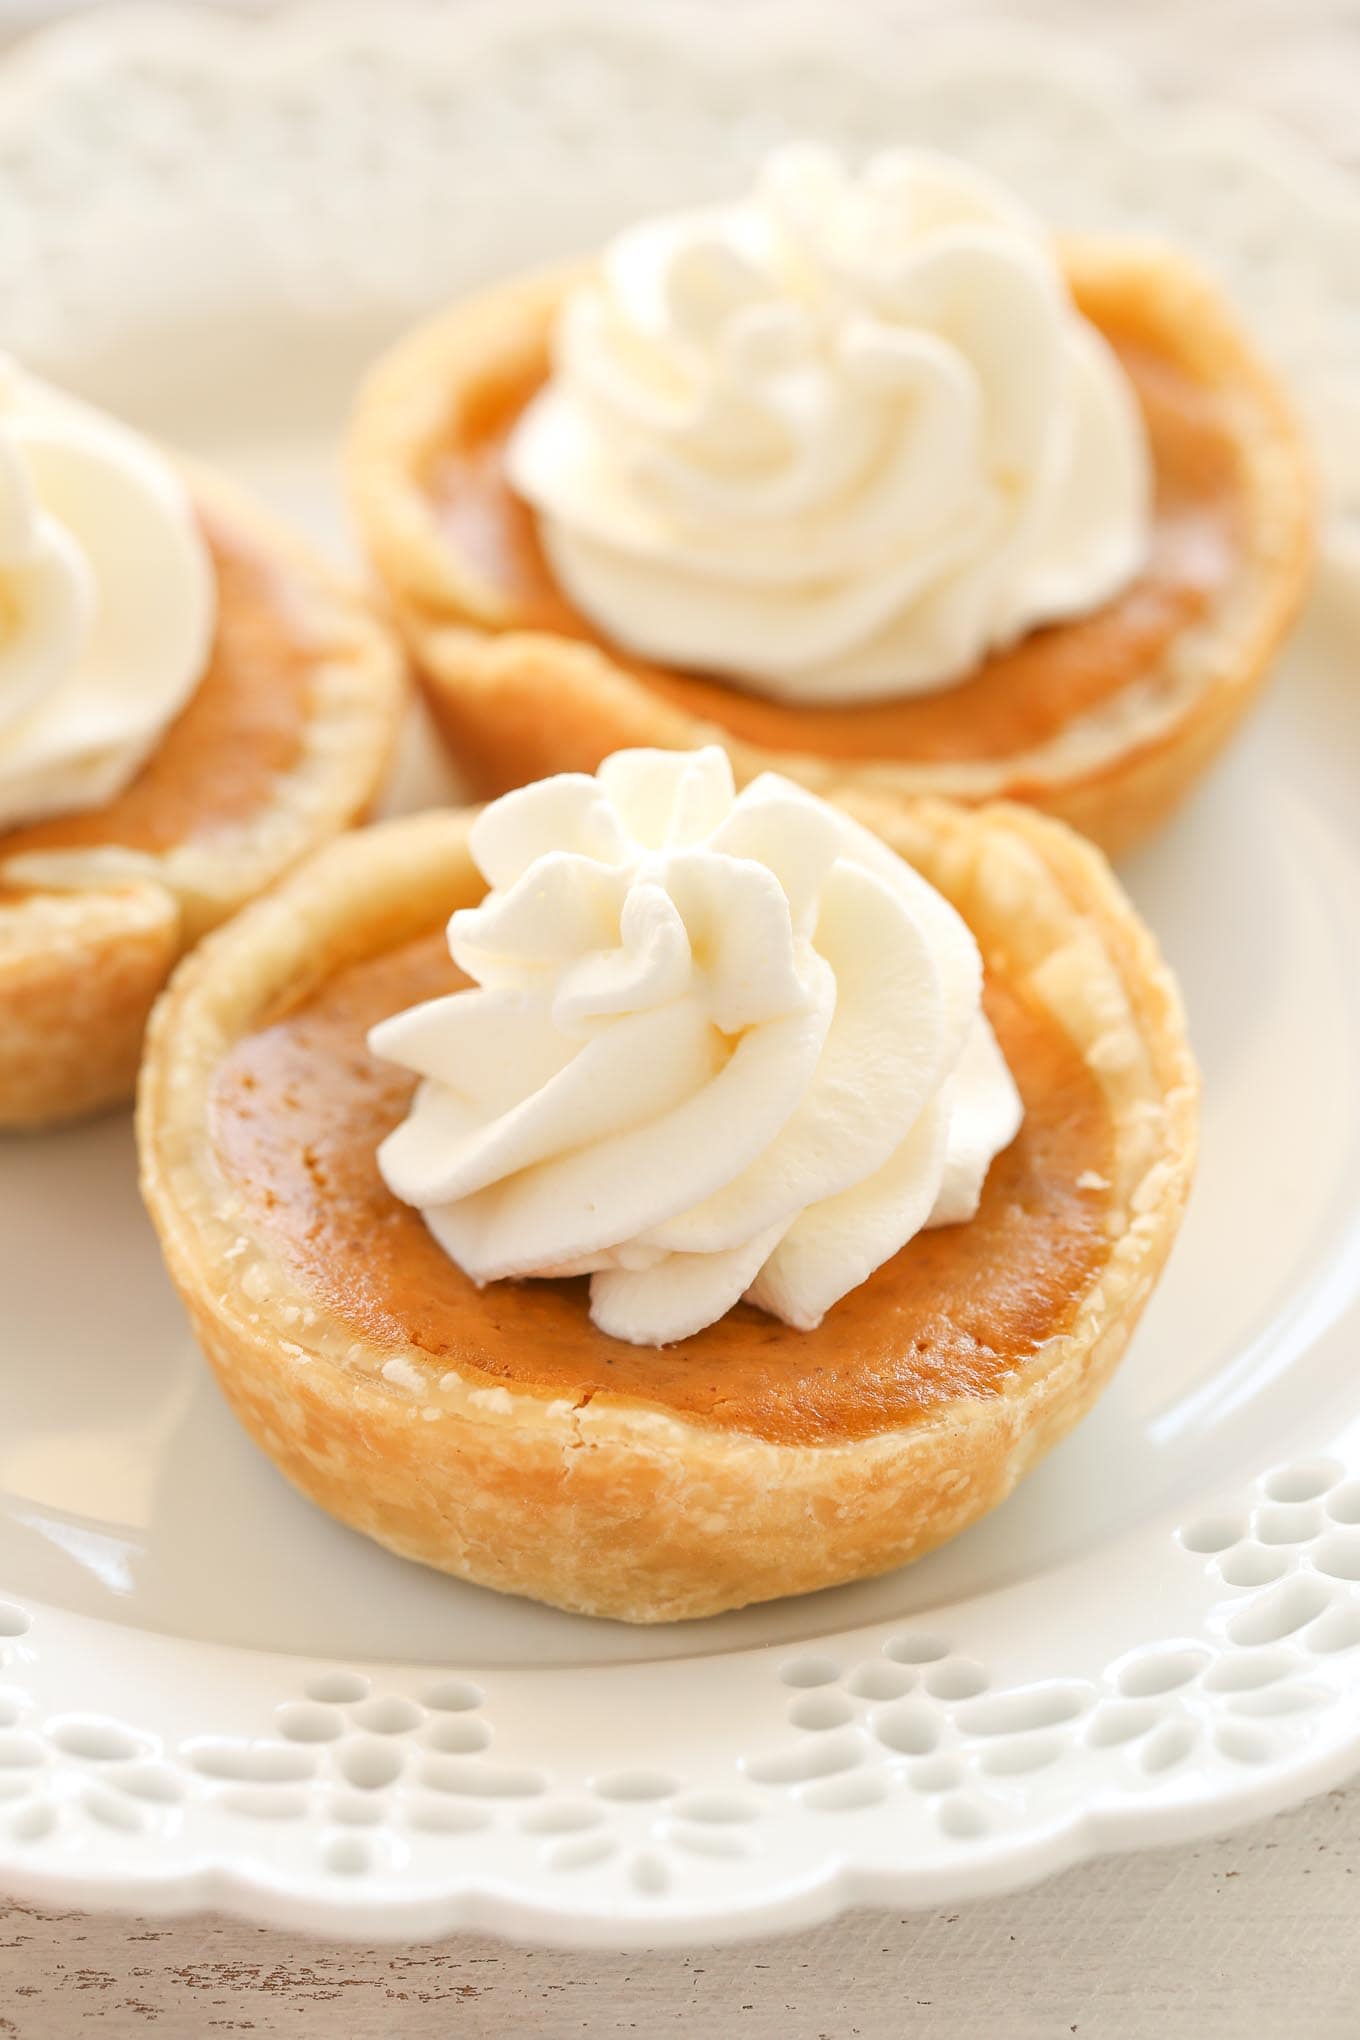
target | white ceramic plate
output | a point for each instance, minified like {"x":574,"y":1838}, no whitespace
{"x":209,"y":1694}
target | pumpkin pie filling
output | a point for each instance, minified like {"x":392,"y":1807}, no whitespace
{"x":240,"y":732}
{"x":1017,"y":699}
{"x":298,"y":1109}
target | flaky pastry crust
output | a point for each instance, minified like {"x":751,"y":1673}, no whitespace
{"x":609,"y":1505}
{"x":517,"y":703}
{"x":89,"y":936}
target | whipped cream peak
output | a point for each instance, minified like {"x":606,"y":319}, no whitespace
{"x":719,"y":1045}
{"x":107,"y":600}
{"x":837,"y":440}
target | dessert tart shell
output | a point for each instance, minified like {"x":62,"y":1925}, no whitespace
{"x":516,"y":701}
{"x":613,"y":1502}
{"x":90,"y":931}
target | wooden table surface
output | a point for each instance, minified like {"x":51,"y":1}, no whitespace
{"x":1256,"y":1934}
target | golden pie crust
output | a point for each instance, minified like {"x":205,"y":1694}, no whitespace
{"x":1104,"y":722}
{"x":495,"y":1434}
{"x":284,"y":742}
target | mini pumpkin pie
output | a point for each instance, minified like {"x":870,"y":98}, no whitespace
{"x":865,"y":479}
{"x":189,"y":703}
{"x":650,"y":1199}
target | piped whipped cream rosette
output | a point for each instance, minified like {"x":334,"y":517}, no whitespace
{"x":719,"y":1046}
{"x":838,"y":439}
{"x":107,"y":601}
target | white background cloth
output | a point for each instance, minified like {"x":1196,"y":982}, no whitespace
{"x":1252,"y":1935}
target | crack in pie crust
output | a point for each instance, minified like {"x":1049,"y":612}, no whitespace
{"x":496,"y":1434}
{"x":1105,"y":721}
{"x":283,"y":743}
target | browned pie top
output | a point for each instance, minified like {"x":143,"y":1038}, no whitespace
{"x":1016,"y":699}
{"x":296,"y":1114}
{"x":239,"y":732}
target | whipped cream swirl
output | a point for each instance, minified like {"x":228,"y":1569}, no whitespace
{"x":107,"y":601}
{"x":838,"y":440}
{"x":720,"y":1046}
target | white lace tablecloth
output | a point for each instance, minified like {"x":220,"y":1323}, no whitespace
{"x":1252,"y":1935}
